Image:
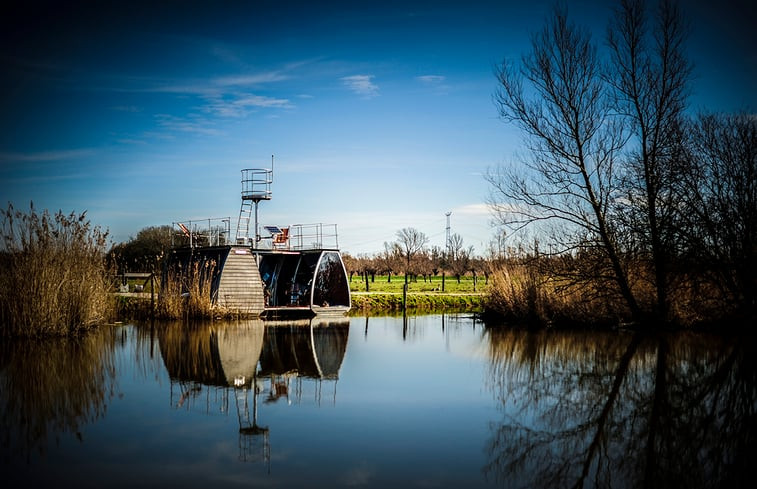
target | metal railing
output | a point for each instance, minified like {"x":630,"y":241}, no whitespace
{"x":298,"y":237}
{"x":256,"y":183}
{"x":214,"y":231}
{"x":217,"y":232}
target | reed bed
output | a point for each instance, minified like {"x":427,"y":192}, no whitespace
{"x":185,"y":292}
{"x":520,"y":293}
{"x":54,"y":279}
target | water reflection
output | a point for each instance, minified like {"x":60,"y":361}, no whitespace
{"x":213,"y":365}
{"x":621,"y":410}
{"x":557,"y":409}
{"x":53,"y":387}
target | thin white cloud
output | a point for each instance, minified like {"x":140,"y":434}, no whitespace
{"x":55,"y":155}
{"x":473,"y":210}
{"x":249,"y":79}
{"x":431,"y":79}
{"x":240,"y":105}
{"x":434,"y":83}
{"x":197,"y":126}
{"x":361,"y":85}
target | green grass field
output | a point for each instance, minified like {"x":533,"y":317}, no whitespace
{"x":380,"y":284}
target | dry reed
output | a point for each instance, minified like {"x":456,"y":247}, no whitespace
{"x":186,"y":291}
{"x":54,"y":279}
{"x":519,"y":293}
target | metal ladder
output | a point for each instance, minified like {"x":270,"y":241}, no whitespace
{"x":243,"y":224}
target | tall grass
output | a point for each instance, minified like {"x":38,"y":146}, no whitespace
{"x":53,"y":275}
{"x":520,"y":293}
{"x":185,"y":291}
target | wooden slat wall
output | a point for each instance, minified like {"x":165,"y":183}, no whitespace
{"x":240,"y":288}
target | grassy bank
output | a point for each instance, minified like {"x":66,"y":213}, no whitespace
{"x":382,"y":283}
{"x":417,"y":301}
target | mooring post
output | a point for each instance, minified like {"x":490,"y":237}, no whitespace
{"x":152,"y":293}
{"x":442,"y":281}
{"x":404,"y":296}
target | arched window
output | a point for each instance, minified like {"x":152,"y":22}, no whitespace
{"x":331,"y":287}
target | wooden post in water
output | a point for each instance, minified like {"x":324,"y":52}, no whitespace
{"x":366,"y":281}
{"x":404,"y":296}
{"x":152,"y":293}
{"x":442,"y":281}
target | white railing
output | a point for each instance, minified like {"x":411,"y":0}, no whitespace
{"x":256,"y":183}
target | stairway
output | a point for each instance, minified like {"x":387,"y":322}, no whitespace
{"x":240,"y":288}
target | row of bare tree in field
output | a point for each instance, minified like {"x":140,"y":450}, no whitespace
{"x":617,"y":168}
{"x":409,"y":255}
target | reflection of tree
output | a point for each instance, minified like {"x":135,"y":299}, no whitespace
{"x":614,"y":410}
{"x":52,"y":387}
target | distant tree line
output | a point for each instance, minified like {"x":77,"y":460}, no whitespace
{"x":144,"y":252}
{"x":410,"y":257}
{"x":655,"y":207}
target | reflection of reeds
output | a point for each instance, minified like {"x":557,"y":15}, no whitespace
{"x":53,"y":386}
{"x":188,"y":353}
{"x":53,"y":276}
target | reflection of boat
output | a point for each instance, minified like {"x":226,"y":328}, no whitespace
{"x":235,"y":354}
{"x":294,"y":269}
{"x":213,"y":361}
{"x":314,"y":352}
{"x":225,"y":356}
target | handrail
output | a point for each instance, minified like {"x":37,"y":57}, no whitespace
{"x":214,"y":231}
{"x":256,"y":183}
{"x":296,"y":237}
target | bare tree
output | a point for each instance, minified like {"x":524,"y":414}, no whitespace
{"x":649,"y":73}
{"x":456,"y":246}
{"x":558,"y":98}
{"x":719,"y":217}
{"x":409,"y":242}
{"x":460,"y":257}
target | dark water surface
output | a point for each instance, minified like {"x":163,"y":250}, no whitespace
{"x":434,"y":401}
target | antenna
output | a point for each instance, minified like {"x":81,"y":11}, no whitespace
{"x":449,"y":238}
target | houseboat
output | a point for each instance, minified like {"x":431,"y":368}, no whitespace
{"x":295,"y":269}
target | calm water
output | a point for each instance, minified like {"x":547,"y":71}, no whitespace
{"x":434,"y":401}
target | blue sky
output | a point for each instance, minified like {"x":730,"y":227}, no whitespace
{"x":379,"y":114}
